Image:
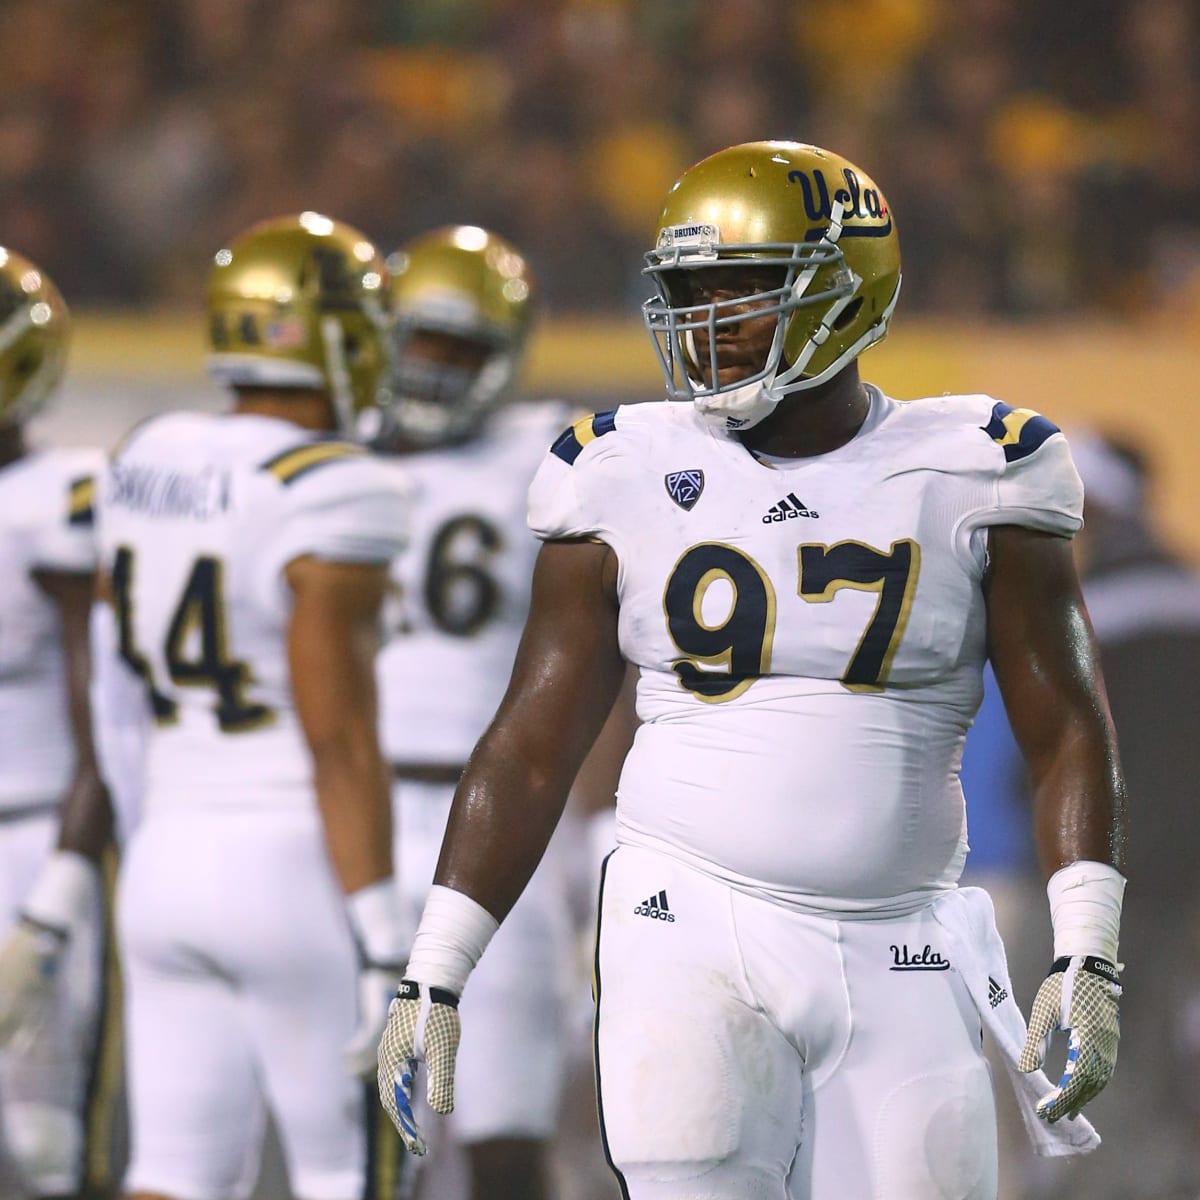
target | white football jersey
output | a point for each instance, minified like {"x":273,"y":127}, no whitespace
{"x":461,"y":589}
{"x":45,"y":524}
{"x":197,"y":517}
{"x":810,"y":635}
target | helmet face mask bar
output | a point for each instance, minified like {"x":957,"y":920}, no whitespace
{"x":673,"y":326}
{"x":809,"y":214}
{"x":431,"y":402}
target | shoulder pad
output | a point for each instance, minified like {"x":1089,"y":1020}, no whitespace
{"x":289,"y":465}
{"x":571,"y":442}
{"x":1018,"y":431}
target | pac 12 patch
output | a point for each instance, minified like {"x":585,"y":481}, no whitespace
{"x":684,"y":487}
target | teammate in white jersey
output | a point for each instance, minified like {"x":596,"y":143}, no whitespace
{"x":463,"y":299}
{"x":808,"y":576}
{"x":50,"y":894}
{"x":246,"y":555}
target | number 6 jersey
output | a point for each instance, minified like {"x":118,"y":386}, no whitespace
{"x":198,"y":516}
{"x":810,"y":633}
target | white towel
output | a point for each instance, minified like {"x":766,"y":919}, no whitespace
{"x":977,"y":953}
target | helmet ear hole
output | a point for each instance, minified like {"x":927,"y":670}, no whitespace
{"x":847,"y":314}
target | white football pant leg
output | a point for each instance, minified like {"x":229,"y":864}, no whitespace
{"x":904,"y":1110}
{"x":744,"y":1048}
{"x":699,"y":1093}
{"x":241,"y":987}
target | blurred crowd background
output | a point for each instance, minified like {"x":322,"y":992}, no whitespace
{"x":1043,"y":164}
{"x":1040,"y":158}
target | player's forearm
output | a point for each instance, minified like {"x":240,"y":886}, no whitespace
{"x":504,"y":814}
{"x":1079,"y":796}
{"x":86,"y":824}
{"x":355,"y":805}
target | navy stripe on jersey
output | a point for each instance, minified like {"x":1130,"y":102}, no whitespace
{"x":572,"y":441}
{"x":1018,"y":431}
{"x":291,"y":464}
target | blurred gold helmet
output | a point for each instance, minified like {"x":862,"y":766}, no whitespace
{"x":300,"y":302}
{"x":807,"y":211}
{"x":475,"y":289}
{"x":35,"y":330}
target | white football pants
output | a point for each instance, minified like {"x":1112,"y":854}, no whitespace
{"x":240,"y":992}
{"x":747,"y":1052}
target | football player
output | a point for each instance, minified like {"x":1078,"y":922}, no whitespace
{"x":54,"y":818}
{"x":246,"y":557}
{"x":809,"y":576}
{"x":463,"y":301}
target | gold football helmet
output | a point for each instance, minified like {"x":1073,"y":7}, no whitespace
{"x":35,"y":330}
{"x":475,"y":290}
{"x":809,"y":213}
{"x":300,"y":302}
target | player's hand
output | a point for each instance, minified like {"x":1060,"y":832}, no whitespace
{"x":377,"y":983}
{"x":1080,"y":995}
{"x":29,"y":966}
{"x":422,"y":1026}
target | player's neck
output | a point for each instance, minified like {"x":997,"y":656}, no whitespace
{"x":309,"y":408}
{"x":12,"y":443}
{"x":813,"y":422}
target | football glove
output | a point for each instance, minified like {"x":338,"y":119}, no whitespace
{"x":377,"y":983}
{"x":1079,"y":995}
{"x":29,"y":965}
{"x":422,"y":1026}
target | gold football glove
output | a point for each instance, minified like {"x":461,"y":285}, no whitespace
{"x":422,"y":1026}
{"x":1079,"y":995}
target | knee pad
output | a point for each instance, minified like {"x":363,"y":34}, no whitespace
{"x":672,"y":1108}
{"x":47,"y":1145}
{"x":936,"y":1138}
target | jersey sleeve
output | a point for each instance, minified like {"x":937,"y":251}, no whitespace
{"x":567,"y":498}
{"x":1035,"y":481}
{"x":64,"y":535}
{"x":354,"y":509}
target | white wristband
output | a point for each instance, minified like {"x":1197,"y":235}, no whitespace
{"x":452,"y":936}
{"x":1085,"y":909}
{"x":65,"y":891}
{"x":378,"y":926}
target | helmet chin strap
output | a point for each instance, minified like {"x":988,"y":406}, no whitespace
{"x":738,"y":408}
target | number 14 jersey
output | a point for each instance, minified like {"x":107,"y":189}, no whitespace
{"x":810,"y":634}
{"x":198,"y":517}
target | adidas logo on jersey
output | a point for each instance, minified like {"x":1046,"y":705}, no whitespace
{"x":786,"y":509}
{"x":656,"y":908}
{"x":996,"y":993}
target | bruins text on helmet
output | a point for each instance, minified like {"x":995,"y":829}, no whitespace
{"x":811,"y":214}
{"x":300,"y":302}
{"x":35,"y":330}
{"x":470,"y":285}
